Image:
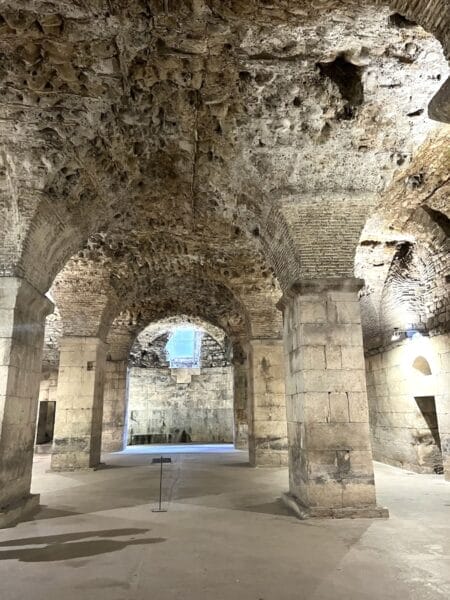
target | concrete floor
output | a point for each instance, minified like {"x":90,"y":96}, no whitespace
{"x":225,"y":536}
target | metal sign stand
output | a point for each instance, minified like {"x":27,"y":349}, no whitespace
{"x":161,"y":461}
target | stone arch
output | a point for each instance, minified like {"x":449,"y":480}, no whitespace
{"x":433,"y":16}
{"x":157,"y":328}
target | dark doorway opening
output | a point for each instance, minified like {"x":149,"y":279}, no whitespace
{"x":428,"y":439}
{"x":46,"y":422}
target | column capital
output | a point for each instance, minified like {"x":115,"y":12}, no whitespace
{"x":306,"y":287}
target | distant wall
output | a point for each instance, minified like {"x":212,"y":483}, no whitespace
{"x":405,"y":432}
{"x":164,"y":403}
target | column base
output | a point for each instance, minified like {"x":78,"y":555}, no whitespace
{"x":322,"y":512}
{"x":61,"y":468}
{"x":25,"y":507}
{"x":269,"y":458}
{"x":43,"y":448}
{"x":112,"y":446}
{"x":241,"y":445}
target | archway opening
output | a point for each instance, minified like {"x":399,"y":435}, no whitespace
{"x":180,"y":386}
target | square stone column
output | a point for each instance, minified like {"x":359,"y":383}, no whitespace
{"x":267,"y":433}
{"x":330,"y":456}
{"x":79,"y":404}
{"x":441,"y":348}
{"x":115,"y":399}
{"x":22,"y":321}
{"x":240,"y":375}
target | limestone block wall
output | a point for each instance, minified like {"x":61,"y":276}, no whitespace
{"x":46,"y":411}
{"x":330,"y":457}
{"x":114,"y":406}
{"x":47,"y":389}
{"x":267,"y":427}
{"x":167,"y":402}
{"x":240,"y":405}
{"x":404,"y":430}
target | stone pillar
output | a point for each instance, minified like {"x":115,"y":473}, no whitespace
{"x":79,"y":405}
{"x":115,"y":398}
{"x":267,"y":434}
{"x":330,"y":456}
{"x":240,"y":375}
{"x":441,"y":348}
{"x":22,"y":320}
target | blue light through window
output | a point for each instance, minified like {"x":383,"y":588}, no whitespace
{"x":183,"y":348}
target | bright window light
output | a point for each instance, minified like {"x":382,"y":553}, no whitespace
{"x":183,"y":348}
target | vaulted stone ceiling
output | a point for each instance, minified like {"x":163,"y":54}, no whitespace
{"x":156,"y":138}
{"x":404,"y":252}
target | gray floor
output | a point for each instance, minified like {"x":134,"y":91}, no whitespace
{"x":225,"y":536}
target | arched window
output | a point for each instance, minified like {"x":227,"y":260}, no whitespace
{"x":183,"y":348}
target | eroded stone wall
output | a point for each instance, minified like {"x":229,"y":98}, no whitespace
{"x":164,"y":403}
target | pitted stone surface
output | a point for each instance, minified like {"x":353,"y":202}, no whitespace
{"x":184,"y":118}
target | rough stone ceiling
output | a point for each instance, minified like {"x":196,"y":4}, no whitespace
{"x":404,"y":252}
{"x":176,"y":110}
{"x":164,"y":132}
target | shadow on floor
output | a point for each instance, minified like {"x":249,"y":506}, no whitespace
{"x":67,"y":546}
{"x":46,"y":512}
{"x":269,"y":508}
{"x":247,"y":465}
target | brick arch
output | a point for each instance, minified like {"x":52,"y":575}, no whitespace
{"x":158,"y":328}
{"x":432,"y":15}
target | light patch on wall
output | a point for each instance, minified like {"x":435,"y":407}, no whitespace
{"x":422,"y":365}
{"x":419,"y":365}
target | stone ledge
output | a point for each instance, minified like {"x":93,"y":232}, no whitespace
{"x":10,"y":515}
{"x":348,"y":512}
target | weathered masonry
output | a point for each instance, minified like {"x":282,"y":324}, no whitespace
{"x":275,"y":175}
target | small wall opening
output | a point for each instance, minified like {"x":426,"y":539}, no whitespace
{"x":348,"y":78}
{"x":427,"y":437}
{"x":401,"y":22}
{"x":46,"y":422}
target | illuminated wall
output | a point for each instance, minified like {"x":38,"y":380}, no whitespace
{"x":405,"y":381}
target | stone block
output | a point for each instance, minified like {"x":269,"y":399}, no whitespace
{"x":310,"y":334}
{"x":358,"y":493}
{"x":352,"y":357}
{"x":358,"y":407}
{"x":327,"y":494}
{"x":337,"y":436}
{"x":339,"y":407}
{"x":333,"y":357}
{"x":348,"y":312}
{"x":312,"y":312}
{"x":332,"y":381}
{"x":316,"y":407}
